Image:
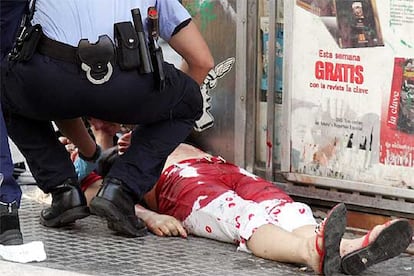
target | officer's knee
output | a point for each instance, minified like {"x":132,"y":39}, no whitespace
{"x":191,"y":104}
{"x":196,"y":99}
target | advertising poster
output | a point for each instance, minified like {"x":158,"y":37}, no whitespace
{"x":352,"y":87}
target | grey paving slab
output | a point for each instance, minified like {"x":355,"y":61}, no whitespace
{"x":15,"y":269}
{"x":89,"y":247}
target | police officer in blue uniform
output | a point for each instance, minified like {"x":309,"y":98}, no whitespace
{"x":10,"y":193}
{"x":83,"y":58}
{"x":11,"y":12}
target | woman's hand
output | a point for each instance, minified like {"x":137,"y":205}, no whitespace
{"x":164,"y":225}
{"x":160,"y":225}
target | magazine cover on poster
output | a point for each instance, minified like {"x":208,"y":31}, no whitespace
{"x":352,"y":87}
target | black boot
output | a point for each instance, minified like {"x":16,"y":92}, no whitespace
{"x":68,"y":205}
{"x":10,"y":233}
{"x":115,"y":203}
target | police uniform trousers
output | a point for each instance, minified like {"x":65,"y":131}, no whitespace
{"x":45,"y":89}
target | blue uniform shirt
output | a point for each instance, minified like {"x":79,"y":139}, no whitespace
{"x":69,"y":21}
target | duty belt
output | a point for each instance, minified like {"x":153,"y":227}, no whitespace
{"x":95,"y":59}
{"x":58,"y":50}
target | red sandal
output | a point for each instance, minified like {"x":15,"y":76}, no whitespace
{"x":331,"y":231}
{"x":391,"y":241}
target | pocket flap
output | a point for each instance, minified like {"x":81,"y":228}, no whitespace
{"x":124,"y":32}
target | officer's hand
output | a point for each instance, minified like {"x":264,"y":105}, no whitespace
{"x":70,"y":147}
{"x":123,"y":142}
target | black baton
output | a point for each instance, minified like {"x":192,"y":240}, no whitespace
{"x":146,"y":66}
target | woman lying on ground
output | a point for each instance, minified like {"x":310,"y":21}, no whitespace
{"x":206,"y":196}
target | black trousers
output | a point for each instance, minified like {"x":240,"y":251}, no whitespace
{"x":44,"y":89}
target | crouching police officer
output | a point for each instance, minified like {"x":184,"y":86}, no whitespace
{"x":10,"y":193}
{"x":83,"y":58}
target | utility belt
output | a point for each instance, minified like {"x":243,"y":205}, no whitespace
{"x":130,"y":52}
{"x":96,"y":60}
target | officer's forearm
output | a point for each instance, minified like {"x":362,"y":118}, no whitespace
{"x":76,"y":132}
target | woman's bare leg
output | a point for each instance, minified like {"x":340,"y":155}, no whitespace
{"x":92,"y":190}
{"x":347,"y":245}
{"x":305,"y":231}
{"x":317,"y":249}
{"x":272,"y":242}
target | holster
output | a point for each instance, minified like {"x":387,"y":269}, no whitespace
{"x":26,"y":43}
{"x":127,"y":46}
{"x":97,"y":58}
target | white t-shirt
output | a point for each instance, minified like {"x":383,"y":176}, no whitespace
{"x":69,"y":21}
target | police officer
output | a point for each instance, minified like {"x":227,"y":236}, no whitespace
{"x":74,"y":71}
{"x":10,"y":192}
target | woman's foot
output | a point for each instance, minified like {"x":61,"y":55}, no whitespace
{"x":383,"y":242}
{"x":326,"y":259}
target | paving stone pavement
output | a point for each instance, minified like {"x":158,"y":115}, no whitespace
{"x":88,"y":247}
